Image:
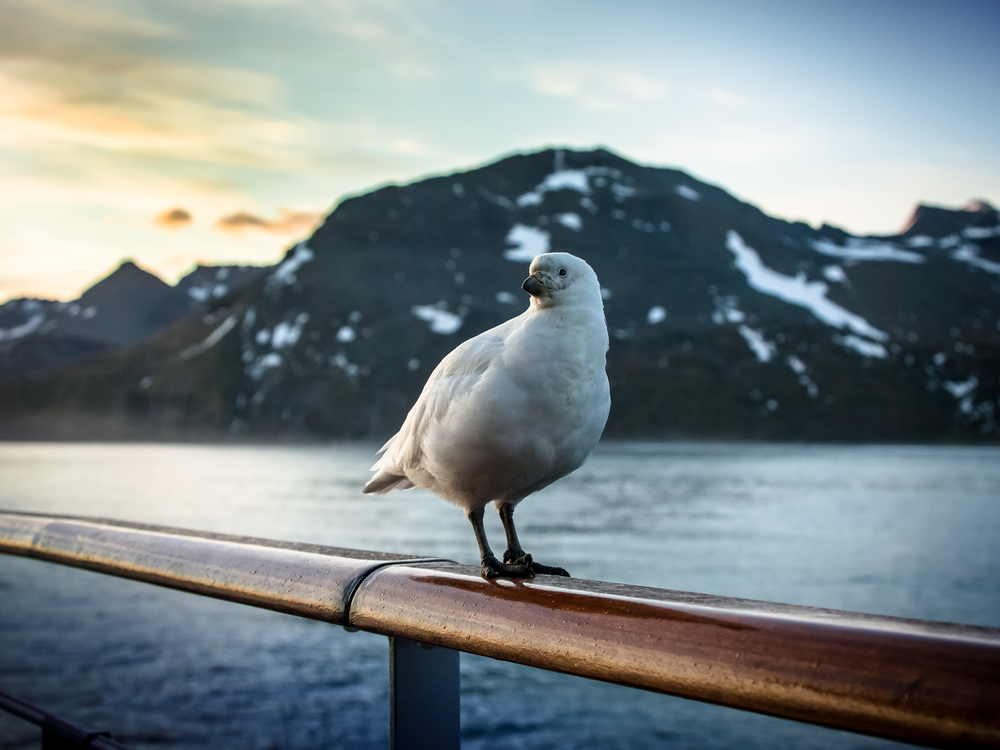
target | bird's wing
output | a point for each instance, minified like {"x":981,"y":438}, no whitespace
{"x":454,"y":377}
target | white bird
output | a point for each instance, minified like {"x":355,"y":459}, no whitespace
{"x":511,"y":410}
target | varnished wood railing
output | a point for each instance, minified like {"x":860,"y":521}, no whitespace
{"x":934,"y":684}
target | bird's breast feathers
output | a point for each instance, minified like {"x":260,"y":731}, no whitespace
{"x":531,"y":392}
{"x":539,"y":386}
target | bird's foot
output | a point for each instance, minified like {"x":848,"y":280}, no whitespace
{"x":493,"y":568}
{"x":549,"y":570}
{"x":523,"y":559}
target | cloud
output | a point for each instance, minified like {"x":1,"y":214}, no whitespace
{"x":288,"y":222}
{"x":728,"y":98}
{"x":100,"y":84}
{"x":89,"y":79}
{"x":595,"y":86}
{"x":149,"y":107}
{"x":68,"y":15}
{"x":174,"y":218}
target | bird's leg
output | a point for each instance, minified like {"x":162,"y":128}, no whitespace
{"x":514,"y":550}
{"x":515,"y":555}
{"x":491,"y":567}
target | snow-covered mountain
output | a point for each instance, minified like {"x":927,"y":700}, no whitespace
{"x":131,"y":304}
{"x":725,"y":322}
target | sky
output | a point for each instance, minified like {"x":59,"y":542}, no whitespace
{"x":222,"y":131}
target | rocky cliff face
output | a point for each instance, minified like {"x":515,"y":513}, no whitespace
{"x":725,"y":322}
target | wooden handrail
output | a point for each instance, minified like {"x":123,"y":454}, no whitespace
{"x":934,"y":684}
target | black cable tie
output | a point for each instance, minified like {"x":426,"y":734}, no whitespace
{"x":349,"y":597}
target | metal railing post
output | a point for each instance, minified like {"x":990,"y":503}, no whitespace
{"x":58,"y":733}
{"x":423,"y":696}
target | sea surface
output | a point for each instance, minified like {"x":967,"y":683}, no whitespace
{"x":895,"y":530}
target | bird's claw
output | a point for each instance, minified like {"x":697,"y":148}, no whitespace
{"x":549,"y":570}
{"x":493,"y":568}
{"x":517,"y":557}
{"x":522,"y":558}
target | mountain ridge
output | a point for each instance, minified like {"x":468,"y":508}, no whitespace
{"x":726,"y":323}
{"x":128,"y":305}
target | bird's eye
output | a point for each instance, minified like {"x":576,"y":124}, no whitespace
{"x":562,"y":271}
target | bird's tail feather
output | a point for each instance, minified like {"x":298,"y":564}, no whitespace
{"x":385,"y":482}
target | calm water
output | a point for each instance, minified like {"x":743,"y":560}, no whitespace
{"x":906,"y":531}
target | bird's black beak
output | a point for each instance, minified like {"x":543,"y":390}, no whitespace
{"x":533,"y":286}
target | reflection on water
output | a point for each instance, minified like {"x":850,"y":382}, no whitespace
{"x":907,"y":531}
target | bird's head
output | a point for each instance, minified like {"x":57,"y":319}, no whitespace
{"x":559,"y":279}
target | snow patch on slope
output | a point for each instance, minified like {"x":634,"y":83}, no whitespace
{"x":862,"y":346}
{"x":970,"y":254}
{"x":440,"y":320}
{"x":797,"y":290}
{"x":763,"y":349}
{"x":284,"y":274}
{"x":211,"y":340}
{"x":29,"y":327}
{"x":528,"y":242}
{"x":860,"y":248}
{"x":687,"y":192}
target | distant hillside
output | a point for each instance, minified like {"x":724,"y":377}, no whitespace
{"x":130,"y":305}
{"x":725,"y":322}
